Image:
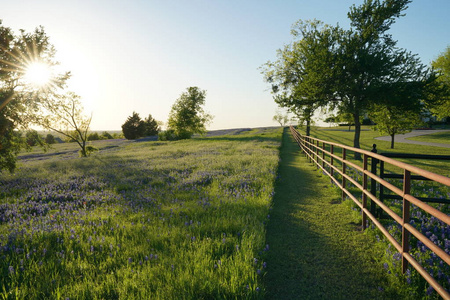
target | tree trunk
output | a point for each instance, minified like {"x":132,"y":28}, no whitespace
{"x":357,"y":135}
{"x":392,"y":140}
{"x":308,"y":127}
{"x":83,"y":149}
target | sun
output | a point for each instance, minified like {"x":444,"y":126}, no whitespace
{"x":38,"y":74}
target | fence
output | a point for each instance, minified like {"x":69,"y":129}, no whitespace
{"x":324,"y":155}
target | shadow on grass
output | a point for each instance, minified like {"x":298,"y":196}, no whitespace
{"x":316,"y":250}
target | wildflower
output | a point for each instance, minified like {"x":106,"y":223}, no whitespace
{"x":11,"y":270}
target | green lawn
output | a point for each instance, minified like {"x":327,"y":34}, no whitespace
{"x":343,"y":136}
{"x":438,"y":137}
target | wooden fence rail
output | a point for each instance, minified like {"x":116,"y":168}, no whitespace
{"x":325,"y":156}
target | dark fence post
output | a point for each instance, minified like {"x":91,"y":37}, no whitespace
{"x":406,"y":218}
{"x":344,"y":157}
{"x":364,"y":196}
{"x":373,"y":183}
{"x":323,"y":155}
{"x":381,"y":197}
{"x":332,"y":160}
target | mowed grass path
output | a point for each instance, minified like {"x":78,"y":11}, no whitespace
{"x":316,"y":248}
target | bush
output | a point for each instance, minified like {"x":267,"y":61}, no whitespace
{"x":89,"y":150}
{"x":168,"y":135}
{"x":93,"y":136}
{"x":50,"y":139}
{"x":33,"y":138}
{"x":106,"y":136}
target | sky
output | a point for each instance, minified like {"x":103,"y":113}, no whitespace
{"x":141,"y":55}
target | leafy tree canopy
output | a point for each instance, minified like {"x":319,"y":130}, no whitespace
{"x":134,"y":127}
{"x":151,"y":126}
{"x":442,"y":65}
{"x":187,"y":116}
{"x":21,"y":100}
{"x":350,"y":70}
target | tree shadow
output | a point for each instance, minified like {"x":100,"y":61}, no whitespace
{"x":315,"y":246}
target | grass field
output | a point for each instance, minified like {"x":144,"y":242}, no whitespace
{"x":439,"y":137}
{"x":342,"y":135}
{"x":188,"y":219}
{"x":140,"y":220}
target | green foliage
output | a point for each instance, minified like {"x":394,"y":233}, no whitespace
{"x":391,"y":120}
{"x":93,"y":136}
{"x":89,"y":150}
{"x":106,"y":136}
{"x":50,"y":139}
{"x":33,"y":138}
{"x":134,"y":127}
{"x":11,"y":143}
{"x":151,"y":126}
{"x":350,"y":70}
{"x":442,"y":65}
{"x":187,"y":116}
{"x":297,"y":77}
{"x":20,"y":101}
{"x":167,"y":135}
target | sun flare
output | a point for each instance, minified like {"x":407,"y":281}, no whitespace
{"x":38,"y":74}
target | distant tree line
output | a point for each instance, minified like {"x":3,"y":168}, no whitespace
{"x":186,"y":118}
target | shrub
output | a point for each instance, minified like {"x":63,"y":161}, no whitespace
{"x":93,"y":136}
{"x":50,"y":139}
{"x":106,"y":136}
{"x":167,"y":135}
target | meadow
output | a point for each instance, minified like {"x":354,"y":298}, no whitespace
{"x":140,"y":220}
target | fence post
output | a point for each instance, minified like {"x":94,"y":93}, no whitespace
{"x":323,"y":155}
{"x":373,"y":184}
{"x":364,"y":196}
{"x":332,"y":160}
{"x":317,"y":154}
{"x":380,"y":211}
{"x":406,"y":218}
{"x":344,"y":157}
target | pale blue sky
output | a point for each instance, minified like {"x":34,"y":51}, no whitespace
{"x":140,"y":55}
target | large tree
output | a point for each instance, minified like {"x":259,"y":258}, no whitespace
{"x":187,"y":116}
{"x":352,"y":70}
{"x":370,"y":69}
{"x":22,"y":95}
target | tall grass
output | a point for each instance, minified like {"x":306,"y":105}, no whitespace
{"x":149,"y":220}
